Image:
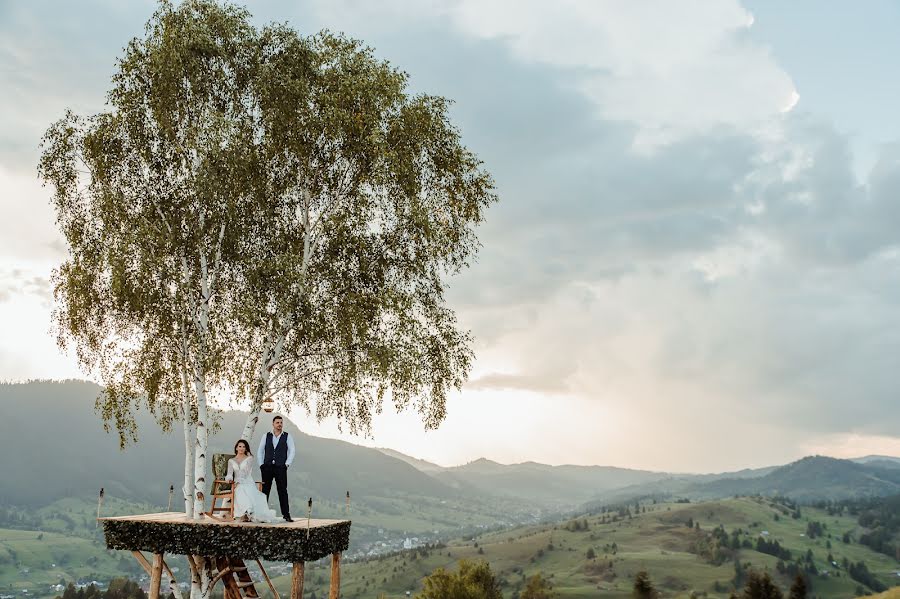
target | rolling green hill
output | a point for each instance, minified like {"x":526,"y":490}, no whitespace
{"x":814,"y":477}
{"x":808,"y":479}
{"x":63,"y":457}
{"x":76,"y":457}
{"x":562,"y":487}
{"x":681,"y":559}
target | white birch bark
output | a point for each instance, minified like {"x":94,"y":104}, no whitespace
{"x":207,"y":284}
{"x":202,"y":433}
{"x":201,"y":577}
{"x":173,"y":588}
{"x":272,"y":351}
{"x":188,"y":426}
{"x":188,"y":465}
{"x":202,"y":442}
{"x":271,"y":356}
{"x":206,"y":578}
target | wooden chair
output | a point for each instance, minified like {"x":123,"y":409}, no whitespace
{"x":223,"y":490}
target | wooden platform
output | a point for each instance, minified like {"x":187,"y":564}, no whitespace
{"x":173,"y":532}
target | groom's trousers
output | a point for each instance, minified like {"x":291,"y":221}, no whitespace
{"x":279,"y":475}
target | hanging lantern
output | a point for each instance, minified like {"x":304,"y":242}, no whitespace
{"x":268,"y":405}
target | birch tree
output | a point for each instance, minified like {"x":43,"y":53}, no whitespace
{"x":263,"y":212}
{"x":371,"y":202}
{"x":150,"y":196}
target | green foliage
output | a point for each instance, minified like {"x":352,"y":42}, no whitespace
{"x":119,"y":588}
{"x":643,"y":587}
{"x":150,"y":197}
{"x":814,"y":529}
{"x":577,"y":525}
{"x":253,"y":197}
{"x":538,"y":587}
{"x":798,"y":588}
{"x":859,"y":572}
{"x":772,"y":547}
{"x":761,"y":586}
{"x":472,"y":580}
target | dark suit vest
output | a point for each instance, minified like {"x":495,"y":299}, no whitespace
{"x":276,"y":455}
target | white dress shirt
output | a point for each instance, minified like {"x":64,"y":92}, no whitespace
{"x":261,"y":452}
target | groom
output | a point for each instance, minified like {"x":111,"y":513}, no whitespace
{"x":276,"y":452}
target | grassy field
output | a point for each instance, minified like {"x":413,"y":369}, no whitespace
{"x":36,"y":560}
{"x":656,"y":539}
{"x":68,"y":547}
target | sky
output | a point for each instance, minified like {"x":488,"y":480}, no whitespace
{"x":694,"y":264}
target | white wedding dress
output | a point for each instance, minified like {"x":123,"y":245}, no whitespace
{"x":247,"y":498}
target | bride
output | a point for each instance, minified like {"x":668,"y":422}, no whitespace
{"x":249,"y":502}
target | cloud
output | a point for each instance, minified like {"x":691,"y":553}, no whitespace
{"x":21,"y":282}
{"x":679,"y":248}
{"x":512,"y":382}
{"x":673,"y":69}
{"x":28,"y":235}
{"x":53,"y":56}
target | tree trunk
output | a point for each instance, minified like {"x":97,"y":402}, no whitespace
{"x":271,"y":355}
{"x":188,"y":465}
{"x":202,"y":436}
{"x":250,"y":425}
{"x":155,"y":576}
{"x":202,"y":577}
{"x":206,"y":578}
{"x":187,"y":421}
{"x":201,"y":323}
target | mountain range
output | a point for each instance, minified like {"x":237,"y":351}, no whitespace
{"x":60,"y":449}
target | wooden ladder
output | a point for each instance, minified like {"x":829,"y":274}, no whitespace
{"x":237,"y":580}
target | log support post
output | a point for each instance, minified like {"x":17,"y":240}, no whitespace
{"x":297,"y":580}
{"x":155,"y":576}
{"x":335,"y":591}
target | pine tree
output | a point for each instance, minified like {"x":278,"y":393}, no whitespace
{"x":643,"y":587}
{"x":798,"y":589}
{"x":760,"y":586}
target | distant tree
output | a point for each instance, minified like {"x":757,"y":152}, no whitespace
{"x":643,"y":587}
{"x":761,"y":586}
{"x":740,"y":573}
{"x":538,"y":587}
{"x":859,"y":572}
{"x":472,"y":580}
{"x":798,"y":589}
{"x":590,"y":553}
